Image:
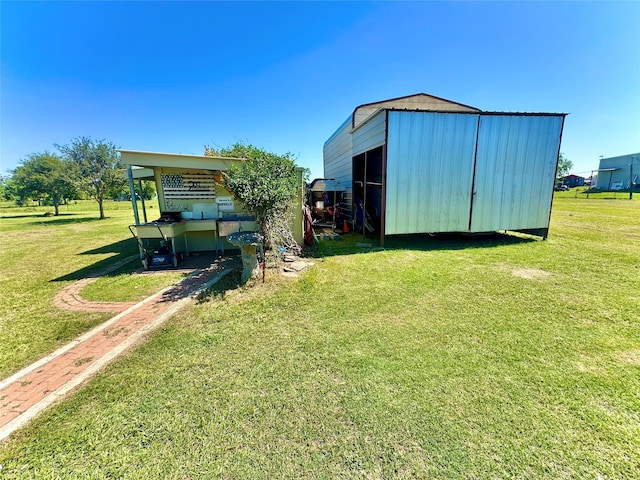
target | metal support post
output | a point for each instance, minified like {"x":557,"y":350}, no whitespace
{"x":132,"y":192}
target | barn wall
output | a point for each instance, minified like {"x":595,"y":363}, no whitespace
{"x":429,"y":171}
{"x":370,"y":135}
{"x":515,"y":171}
{"x":337,"y":162}
{"x":337,"y":154}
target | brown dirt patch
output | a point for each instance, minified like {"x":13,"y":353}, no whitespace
{"x":530,"y":273}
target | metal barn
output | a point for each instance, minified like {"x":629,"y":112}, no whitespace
{"x":423,"y":164}
{"x":618,"y":173}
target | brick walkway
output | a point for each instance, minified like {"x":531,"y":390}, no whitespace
{"x":69,"y":297}
{"x":30,"y":391}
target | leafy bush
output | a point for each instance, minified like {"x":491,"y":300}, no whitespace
{"x":266,"y":183}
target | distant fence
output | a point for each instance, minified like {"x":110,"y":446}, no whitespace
{"x":587,"y":192}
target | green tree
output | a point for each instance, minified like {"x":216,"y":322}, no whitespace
{"x":564,"y":166}
{"x":122,"y":192}
{"x":98,"y":169}
{"x":266,"y":184}
{"x":44,"y":176}
{"x":148,"y":190}
{"x":8,"y":188}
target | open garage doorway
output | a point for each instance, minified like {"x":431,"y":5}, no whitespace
{"x":367,"y":191}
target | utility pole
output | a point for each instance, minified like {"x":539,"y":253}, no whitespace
{"x":631,"y":179}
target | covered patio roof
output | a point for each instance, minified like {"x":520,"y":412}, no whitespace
{"x":136,"y":158}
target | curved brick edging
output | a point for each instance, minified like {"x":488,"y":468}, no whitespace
{"x":69,"y":297}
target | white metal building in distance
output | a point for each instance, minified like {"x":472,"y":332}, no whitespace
{"x":618,"y":173}
{"x":423,"y":164}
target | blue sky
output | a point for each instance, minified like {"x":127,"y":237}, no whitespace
{"x":174,"y":76}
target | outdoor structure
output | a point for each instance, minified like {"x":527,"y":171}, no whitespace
{"x":573,"y":181}
{"x":196,"y":212}
{"x":423,"y":164}
{"x":618,"y":173}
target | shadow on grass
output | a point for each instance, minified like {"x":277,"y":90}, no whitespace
{"x":218,"y":290}
{"x":128,"y":247}
{"x":36,"y":215}
{"x":352,"y":243}
{"x":40,"y":219}
{"x":123,"y":249}
{"x":66,"y":221}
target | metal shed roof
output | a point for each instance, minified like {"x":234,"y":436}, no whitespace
{"x":417,"y":102}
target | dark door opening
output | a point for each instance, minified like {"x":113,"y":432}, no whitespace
{"x":367,"y":191}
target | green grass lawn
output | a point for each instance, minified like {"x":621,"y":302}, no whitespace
{"x":440,"y":358}
{"x":127,"y":284}
{"x":41,"y":255}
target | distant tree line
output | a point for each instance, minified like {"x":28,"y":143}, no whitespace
{"x":84,"y":168}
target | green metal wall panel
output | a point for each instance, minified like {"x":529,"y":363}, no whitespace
{"x":515,"y":171}
{"x":429,"y":171}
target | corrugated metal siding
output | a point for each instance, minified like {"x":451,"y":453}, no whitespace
{"x":515,"y":171}
{"x":429,"y":171}
{"x":338,"y":163}
{"x":337,"y":154}
{"x":619,"y":178}
{"x":370,"y":135}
